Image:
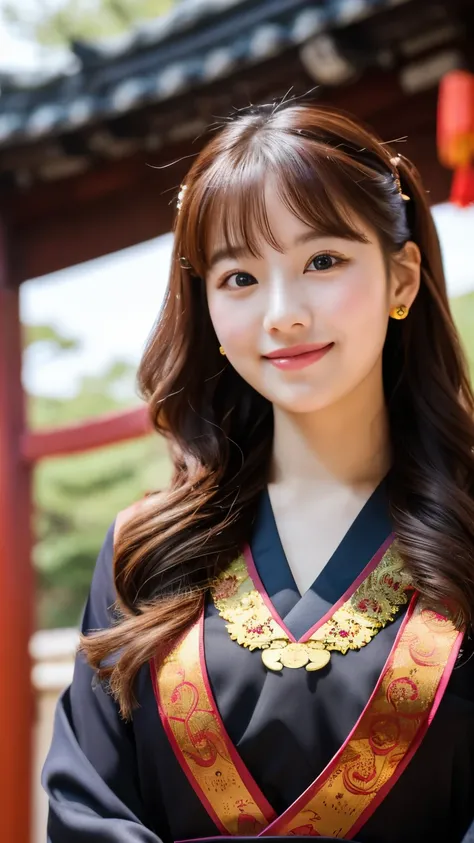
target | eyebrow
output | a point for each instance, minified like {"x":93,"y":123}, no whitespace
{"x":237,"y":252}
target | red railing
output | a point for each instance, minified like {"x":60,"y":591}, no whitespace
{"x":85,"y":436}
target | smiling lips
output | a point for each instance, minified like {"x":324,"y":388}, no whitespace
{"x":298,"y":356}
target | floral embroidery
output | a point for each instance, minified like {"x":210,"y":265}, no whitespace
{"x":372,"y":606}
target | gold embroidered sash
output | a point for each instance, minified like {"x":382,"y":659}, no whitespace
{"x":387,"y":735}
{"x":361,"y":773}
{"x":201,"y":744}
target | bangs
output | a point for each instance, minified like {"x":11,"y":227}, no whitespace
{"x":321,"y":186}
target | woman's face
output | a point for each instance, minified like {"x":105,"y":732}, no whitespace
{"x":307,"y":325}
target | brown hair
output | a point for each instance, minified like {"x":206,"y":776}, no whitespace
{"x":326,"y":167}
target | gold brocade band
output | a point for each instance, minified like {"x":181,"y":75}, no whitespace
{"x":387,"y":735}
{"x":362,"y":772}
{"x":201,"y":744}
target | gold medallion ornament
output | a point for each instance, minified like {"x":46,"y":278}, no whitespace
{"x":251,"y":623}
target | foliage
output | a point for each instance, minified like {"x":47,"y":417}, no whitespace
{"x":463,"y":312}
{"x":49,"y":337}
{"x":61,"y":21}
{"x":77,"y":497}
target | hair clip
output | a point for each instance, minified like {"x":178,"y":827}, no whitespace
{"x":179,"y":201}
{"x":184,"y":263}
{"x":395,"y":162}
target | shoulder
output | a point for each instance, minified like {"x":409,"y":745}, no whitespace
{"x":103,"y":576}
{"x":138,"y":508}
{"x":100,"y":611}
{"x":126,"y":515}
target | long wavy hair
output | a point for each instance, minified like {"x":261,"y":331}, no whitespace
{"x":328,"y":168}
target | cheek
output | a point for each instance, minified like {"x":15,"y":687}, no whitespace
{"x":234,"y":323}
{"x":360,"y":305}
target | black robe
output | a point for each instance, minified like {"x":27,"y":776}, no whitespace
{"x":114,"y":782}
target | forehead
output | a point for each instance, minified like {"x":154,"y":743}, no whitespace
{"x":275,"y":222}
{"x":249,"y":205}
{"x":284,"y":231}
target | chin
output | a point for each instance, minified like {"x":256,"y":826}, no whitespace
{"x":300,"y":404}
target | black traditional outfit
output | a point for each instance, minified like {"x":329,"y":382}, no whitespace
{"x":235,"y":759}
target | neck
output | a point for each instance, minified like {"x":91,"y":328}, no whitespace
{"x":346,"y":444}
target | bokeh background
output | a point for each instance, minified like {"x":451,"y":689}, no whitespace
{"x":149,"y":76}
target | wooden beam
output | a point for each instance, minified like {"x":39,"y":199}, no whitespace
{"x":16,"y":575}
{"x":85,"y":436}
{"x":94,"y":221}
{"x":64,"y":195}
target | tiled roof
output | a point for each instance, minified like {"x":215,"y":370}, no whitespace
{"x":198,"y":42}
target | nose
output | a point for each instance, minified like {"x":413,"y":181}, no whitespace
{"x":285,"y":311}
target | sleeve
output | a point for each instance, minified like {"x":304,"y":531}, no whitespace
{"x":91,"y":773}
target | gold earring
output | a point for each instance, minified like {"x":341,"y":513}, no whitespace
{"x":222,"y":351}
{"x":401,"y":311}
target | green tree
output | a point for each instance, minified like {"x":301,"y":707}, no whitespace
{"x":463,"y":312}
{"x":77,"y":497}
{"x":61,"y":21}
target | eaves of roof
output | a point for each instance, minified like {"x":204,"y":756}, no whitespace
{"x":198,"y":42}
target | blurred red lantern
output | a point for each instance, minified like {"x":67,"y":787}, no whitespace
{"x":456,"y":133}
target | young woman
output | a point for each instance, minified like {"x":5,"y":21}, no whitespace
{"x":278,"y":644}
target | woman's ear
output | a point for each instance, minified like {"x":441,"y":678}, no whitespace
{"x":405,"y":275}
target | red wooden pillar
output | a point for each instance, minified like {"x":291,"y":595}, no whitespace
{"x":16,"y":576}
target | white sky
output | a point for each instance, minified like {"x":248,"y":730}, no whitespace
{"x":110,"y":304}
{"x":18,"y":53}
